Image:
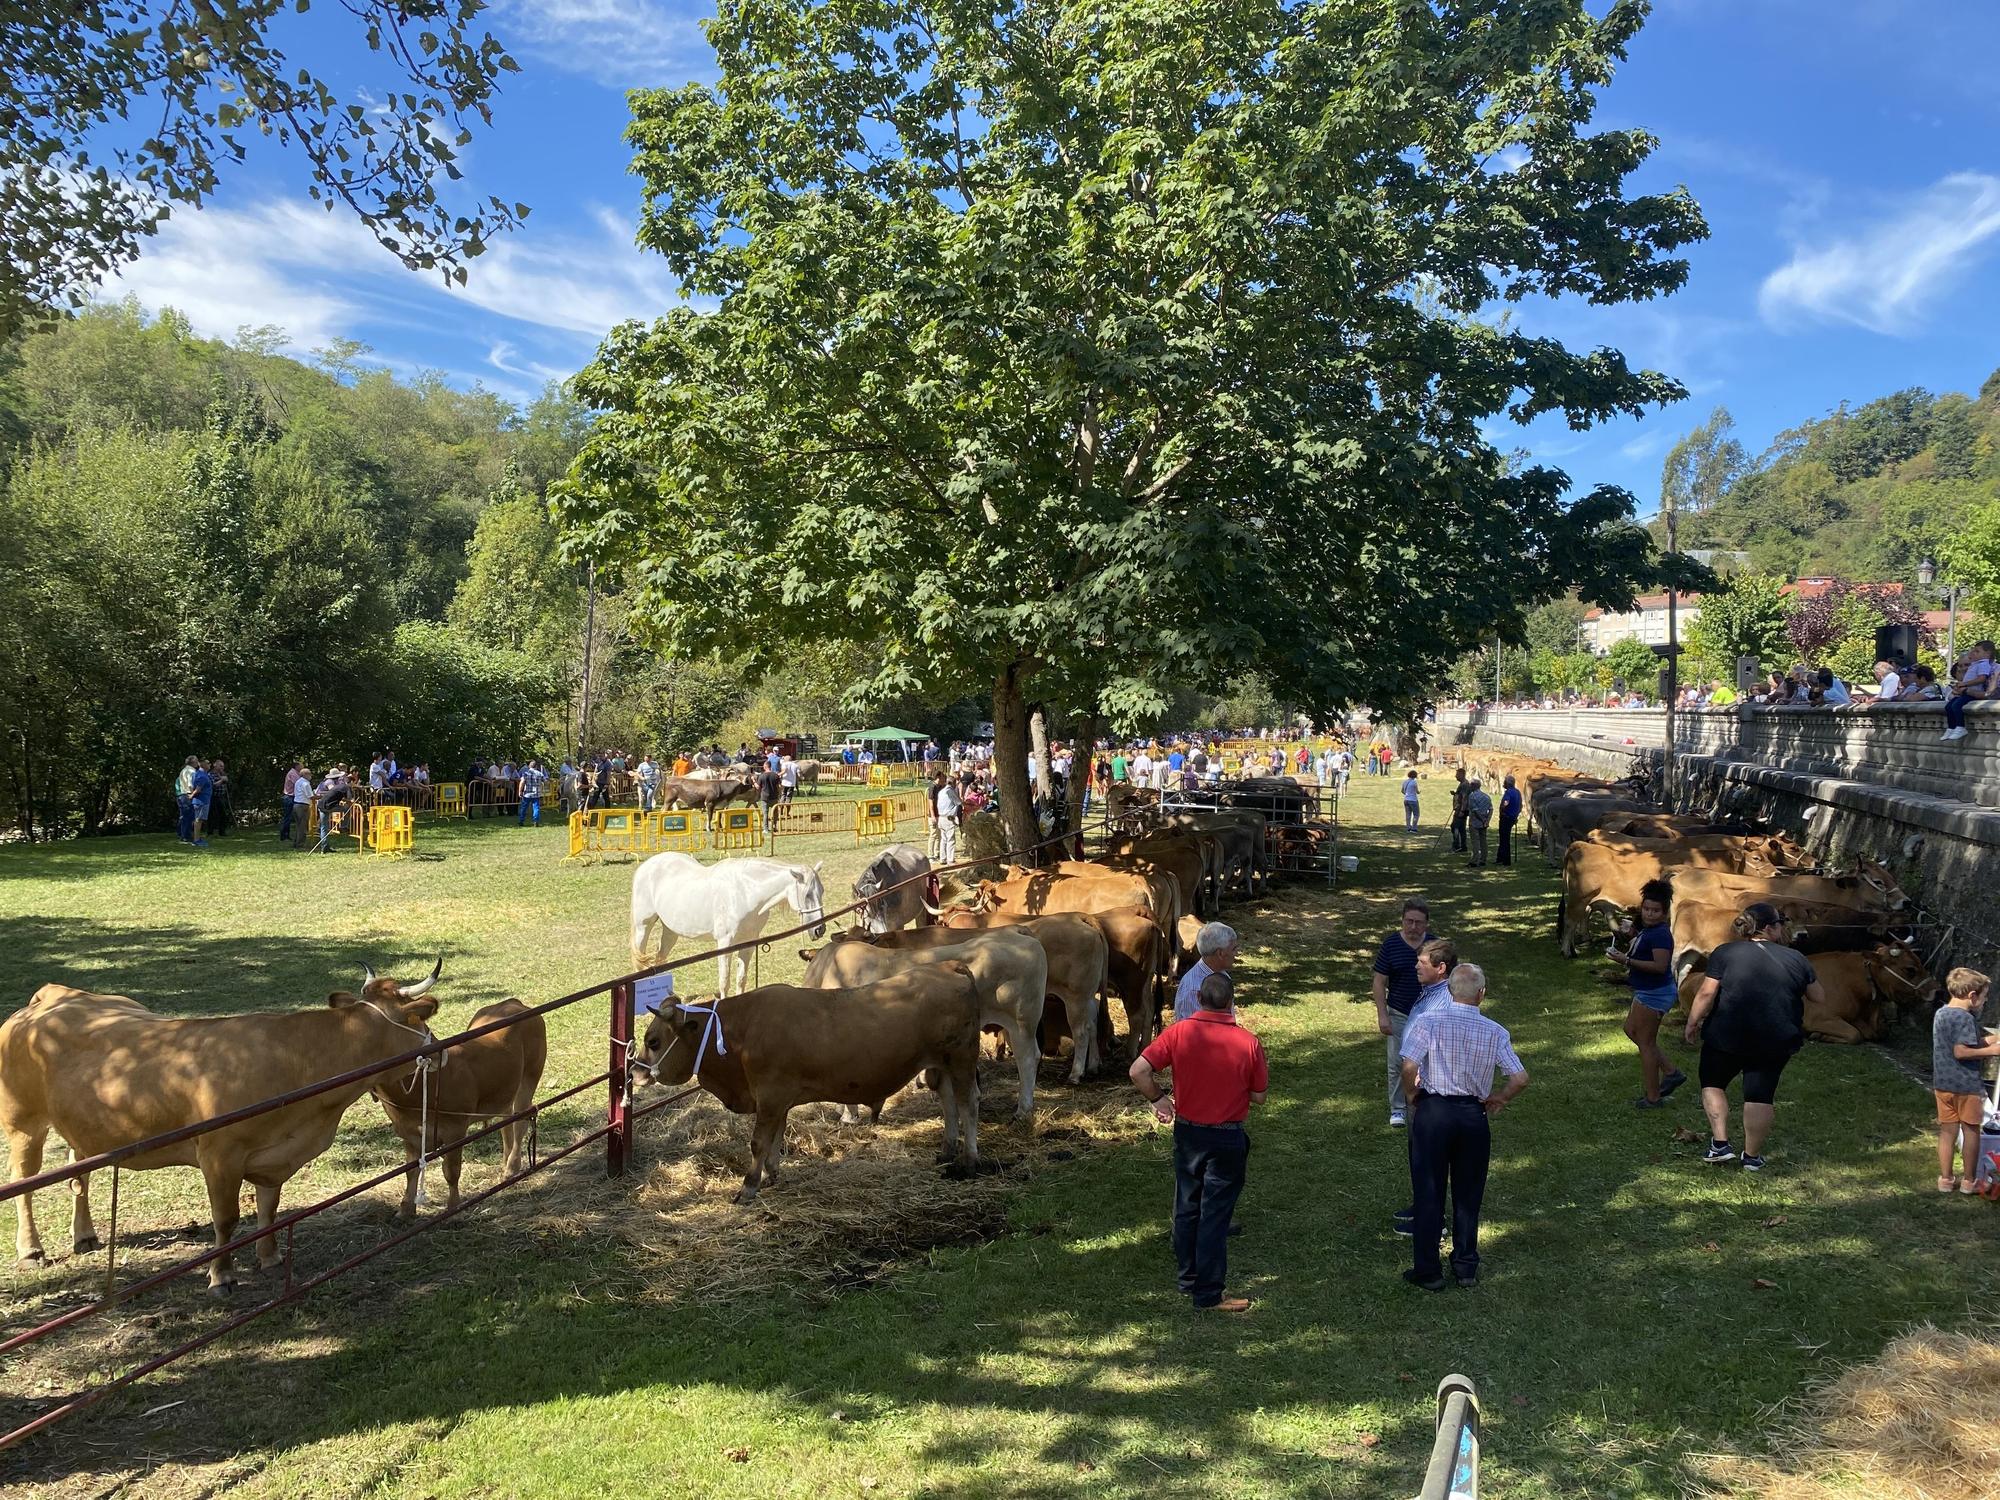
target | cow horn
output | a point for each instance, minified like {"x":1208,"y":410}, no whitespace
{"x":367,"y":975}
{"x":422,"y":986}
{"x":935,"y":911}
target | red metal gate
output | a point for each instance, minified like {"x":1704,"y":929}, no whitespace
{"x":621,"y":1115}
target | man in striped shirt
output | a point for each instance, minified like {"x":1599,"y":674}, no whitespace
{"x":1450,"y":1057}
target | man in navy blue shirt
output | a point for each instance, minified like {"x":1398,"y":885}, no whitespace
{"x":1396,"y":990}
{"x":1510,"y":814}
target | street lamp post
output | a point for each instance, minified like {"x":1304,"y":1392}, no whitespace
{"x":1927,"y":576}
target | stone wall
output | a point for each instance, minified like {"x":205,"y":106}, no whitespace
{"x":1874,"y":782}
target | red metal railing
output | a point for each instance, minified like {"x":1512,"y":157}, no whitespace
{"x":617,"y":1132}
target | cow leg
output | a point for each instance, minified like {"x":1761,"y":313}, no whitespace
{"x":407,"y":1209}
{"x":968,"y":1108}
{"x":947,"y":1087}
{"x":1027,"y":1053}
{"x":1083,"y":1033}
{"x":770,"y":1127}
{"x":267,"y":1210}
{"x":454,"y":1159}
{"x":24,"y":1154}
{"x":225,"y":1189}
{"x":82,"y":1230}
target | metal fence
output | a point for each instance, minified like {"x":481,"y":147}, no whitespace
{"x":621,"y":1115}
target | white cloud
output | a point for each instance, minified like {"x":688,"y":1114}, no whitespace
{"x":1645,"y":446}
{"x":319,"y":275}
{"x":619,"y":43}
{"x":1886,"y":276}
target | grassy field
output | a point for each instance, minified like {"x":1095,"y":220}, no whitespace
{"x":542,"y":1349}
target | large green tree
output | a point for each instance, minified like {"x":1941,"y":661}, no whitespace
{"x":1745,"y":616}
{"x":1080,"y":352}
{"x":80,"y":188}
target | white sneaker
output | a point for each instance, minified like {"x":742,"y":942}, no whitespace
{"x":1955,"y":734}
{"x":1396,"y":1120}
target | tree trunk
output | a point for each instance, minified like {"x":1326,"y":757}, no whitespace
{"x":1038,"y":754}
{"x":1010,"y":757}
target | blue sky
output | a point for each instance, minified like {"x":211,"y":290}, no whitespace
{"x":1846,"y":152}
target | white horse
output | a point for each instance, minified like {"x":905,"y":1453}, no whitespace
{"x":729,"y":902}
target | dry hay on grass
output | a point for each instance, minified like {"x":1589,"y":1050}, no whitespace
{"x":852,"y":1202}
{"x":1919,"y":1422}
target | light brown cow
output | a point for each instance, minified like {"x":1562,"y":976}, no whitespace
{"x":1011,"y":970}
{"x":1700,"y":927}
{"x":102,"y":1071}
{"x":1855,"y":987}
{"x":1870,"y":889}
{"x":1042,"y":894}
{"x":1608,"y":873}
{"x":768,"y":1050}
{"x":483,"y":1079}
{"x":1136,"y":965}
{"x":1077,"y":959}
{"x":1176,"y":853}
{"x":1163,"y":888}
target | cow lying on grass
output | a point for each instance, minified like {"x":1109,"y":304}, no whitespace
{"x":768,"y":1050}
{"x":102,"y":1071}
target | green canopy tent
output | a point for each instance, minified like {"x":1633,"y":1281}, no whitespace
{"x":887,"y":732}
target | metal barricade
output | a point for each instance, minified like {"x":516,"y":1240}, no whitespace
{"x":390,"y":828}
{"x":878,"y":775}
{"x":874,"y":817}
{"x":612,"y":830}
{"x":451,"y":799}
{"x":681,"y":831}
{"x":737,"y":828}
{"x":793,"y":821}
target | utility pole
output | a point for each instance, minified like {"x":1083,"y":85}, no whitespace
{"x":589,"y":634}
{"x":1673,"y":649}
{"x":1496,"y":674}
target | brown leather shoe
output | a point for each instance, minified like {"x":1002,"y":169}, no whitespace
{"x":1229,"y":1304}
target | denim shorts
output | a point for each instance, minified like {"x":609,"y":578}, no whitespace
{"x":1659,"y":1000}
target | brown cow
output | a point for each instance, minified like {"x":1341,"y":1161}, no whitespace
{"x":1077,"y":963}
{"x":102,"y":1071}
{"x":1009,"y":970}
{"x":768,"y":1050}
{"x":1040,"y":893}
{"x":1869,"y":889}
{"x":478,"y":1080}
{"x":1855,"y":987}
{"x":707,"y":794}
{"x":1132,"y":948}
{"x":1700,"y":927}
{"x":1176,"y":853}
{"x":1608,"y":873}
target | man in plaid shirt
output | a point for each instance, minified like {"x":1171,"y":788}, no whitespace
{"x":1450,"y":1056}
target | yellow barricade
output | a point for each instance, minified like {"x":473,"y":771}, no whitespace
{"x":796,"y":820}
{"x":389,"y":829}
{"x":874,"y":817}
{"x":451,"y":799}
{"x":738,"y":828}
{"x":613,"y":830}
{"x":912,"y":804}
{"x":878,"y":775}
{"x":683,"y":831}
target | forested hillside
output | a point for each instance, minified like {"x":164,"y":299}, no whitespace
{"x":1863,"y":493}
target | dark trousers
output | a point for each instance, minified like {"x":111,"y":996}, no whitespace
{"x":531,"y":807}
{"x":1209,"y":1166}
{"x":1505,"y":856}
{"x":1458,"y":832}
{"x":285,"y":821}
{"x":184,"y":821}
{"x":1450,"y":1142}
{"x":1954,"y":711}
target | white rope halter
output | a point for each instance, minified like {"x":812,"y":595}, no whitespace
{"x":422,"y":1071}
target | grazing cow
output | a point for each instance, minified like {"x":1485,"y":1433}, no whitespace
{"x":483,"y":1079}
{"x":102,"y":1071}
{"x":898,"y":870}
{"x":1010,"y":969}
{"x":707,"y":794}
{"x":768,"y":1050}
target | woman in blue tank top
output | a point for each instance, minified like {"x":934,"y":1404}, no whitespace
{"x":1649,"y":970}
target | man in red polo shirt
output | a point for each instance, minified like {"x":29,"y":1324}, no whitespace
{"x":1219,"y":1072}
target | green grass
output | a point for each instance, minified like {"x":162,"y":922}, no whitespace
{"x":517,"y":1352}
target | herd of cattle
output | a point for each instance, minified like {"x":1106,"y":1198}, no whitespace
{"x":903,"y":996}
{"x":1855,"y":924}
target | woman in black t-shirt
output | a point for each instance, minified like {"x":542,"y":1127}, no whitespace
{"x":1752,"y":1006}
